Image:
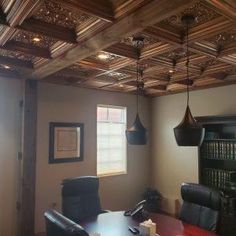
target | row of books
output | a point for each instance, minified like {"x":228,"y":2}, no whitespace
{"x":218,"y":178}
{"x":221,"y":149}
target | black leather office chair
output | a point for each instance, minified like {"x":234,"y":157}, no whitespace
{"x":201,"y":206}
{"x":58,"y":225}
{"x":80,"y":198}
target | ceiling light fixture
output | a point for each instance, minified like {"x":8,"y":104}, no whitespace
{"x":188,"y":132}
{"x":137,"y":134}
{"x":7,"y":67}
{"x":36,"y":39}
{"x":103,"y":56}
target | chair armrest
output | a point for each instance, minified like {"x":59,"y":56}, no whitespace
{"x":57,"y":223}
{"x":104,"y":211}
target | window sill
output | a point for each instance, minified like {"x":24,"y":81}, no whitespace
{"x":111,"y":174}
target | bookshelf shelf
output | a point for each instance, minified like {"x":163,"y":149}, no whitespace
{"x":212,"y":159}
{"x":217,"y":158}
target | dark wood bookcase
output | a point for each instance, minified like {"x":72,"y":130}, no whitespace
{"x":217,"y":164}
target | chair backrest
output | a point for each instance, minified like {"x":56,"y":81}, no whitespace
{"x":201,"y":206}
{"x":58,"y":225}
{"x":80,"y":198}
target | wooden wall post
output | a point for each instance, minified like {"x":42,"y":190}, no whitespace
{"x":27,"y":209}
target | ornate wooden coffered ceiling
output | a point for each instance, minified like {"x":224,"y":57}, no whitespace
{"x":89,"y":43}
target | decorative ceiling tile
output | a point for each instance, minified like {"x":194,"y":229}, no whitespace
{"x":76,"y":71}
{"x":35,"y":39}
{"x":95,"y":83}
{"x":223,"y":38}
{"x":105,"y":57}
{"x":207,"y":63}
{"x":177,"y":54}
{"x":81,"y":69}
{"x":113,"y":75}
{"x":14,"y":54}
{"x":202,"y":13}
{"x":147,"y":39}
{"x":54,"y":13}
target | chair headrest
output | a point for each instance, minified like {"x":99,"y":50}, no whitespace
{"x":201,"y":195}
{"x":62,"y":224}
{"x":80,"y":185}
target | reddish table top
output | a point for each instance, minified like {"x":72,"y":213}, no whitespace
{"x":116,"y":224}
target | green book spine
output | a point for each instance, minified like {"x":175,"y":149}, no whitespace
{"x":224,"y":150}
{"x":234,"y":150}
{"x":231,"y":150}
{"x":217,"y":150}
{"x":221,"y":150}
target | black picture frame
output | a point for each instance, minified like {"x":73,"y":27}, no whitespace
{"x":60,"y":132}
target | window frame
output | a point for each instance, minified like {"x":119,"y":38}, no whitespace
{"x":126,"y":144}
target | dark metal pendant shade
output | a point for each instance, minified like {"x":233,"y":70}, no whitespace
{"x":137,"y":134}
{"x":189,"y":132}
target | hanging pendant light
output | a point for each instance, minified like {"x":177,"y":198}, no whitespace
{"x":188,"y":132}
{"x":137,"y":134}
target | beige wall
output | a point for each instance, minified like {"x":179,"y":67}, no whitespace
{"x":172,"y":165}
{"x":10,"y":95}
{"x":68,"y":104}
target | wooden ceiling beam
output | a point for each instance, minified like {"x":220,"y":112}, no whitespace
{"x":183,"y":82}
{"x":20,"y":10}
{"x":159,"y":87}
{"x":215,"y":69}
{"x":89,"y":28}
{"x":160,"y":33}
{"x":147,"y":15}
{"x":148,"y":84}
{"x":93,"y":65}
{"x":120,"y":63}
{"x":203,"y":49}
{"x":226,"y":8}
{"x":198,"y":48}
{"x":6,"y":34}
{"x":123,"y":50}
{"x":209,"y":29}
{"x":230,"y":59}
{"x":157,"y":49}
{"x":197,"y":33}
{"x":48,"y":29}
{"x":14,"y":14}
{"x":228,"y":49}
{"x":120,"y":82}
{"x":123,"y":8}
{"x":193,"y":88}
{"x":101,"y":9}
{"x":27,"y":49}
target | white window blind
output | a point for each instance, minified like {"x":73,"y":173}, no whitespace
{"x":111,"y":140}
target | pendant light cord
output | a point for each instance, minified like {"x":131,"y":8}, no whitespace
{"x":137,"y":81}
{"x":187,"y":64}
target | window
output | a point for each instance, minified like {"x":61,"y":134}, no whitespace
{"x":111,"y":140}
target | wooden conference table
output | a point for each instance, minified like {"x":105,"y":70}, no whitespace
{"x":116,"y":224}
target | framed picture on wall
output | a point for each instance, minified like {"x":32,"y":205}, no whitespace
{"x":66,"y":142}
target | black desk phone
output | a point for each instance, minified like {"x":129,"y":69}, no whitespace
{"x":137,"y":211}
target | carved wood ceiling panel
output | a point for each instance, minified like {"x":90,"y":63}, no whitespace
{"x":90,"y":44}
{"x":34,"y":39}
{"x":201,"y":12}
{"x":16,"y":55}
{"x":54,"y":13}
